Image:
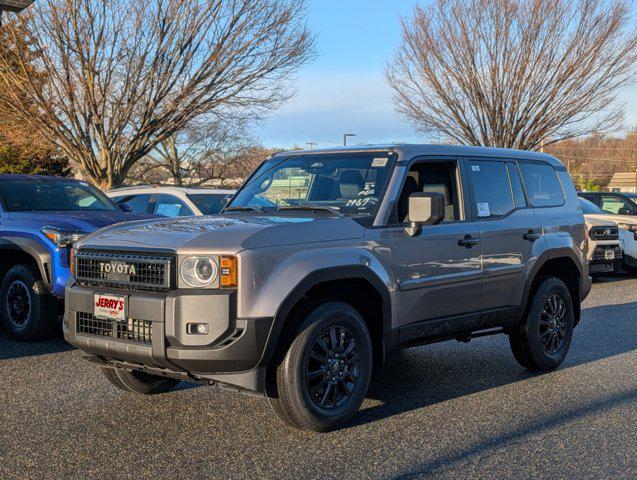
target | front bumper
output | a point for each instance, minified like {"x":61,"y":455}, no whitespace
{"x":599,"y":263}
{"x":156,"y":338}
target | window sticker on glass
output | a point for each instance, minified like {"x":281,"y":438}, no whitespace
{"x":475,"y":168}
{"x":379,"y":162}
{"x":168,"y":210}
{"x":484,"y":210}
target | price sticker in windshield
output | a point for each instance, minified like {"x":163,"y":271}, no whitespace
{"x":379,"y":162}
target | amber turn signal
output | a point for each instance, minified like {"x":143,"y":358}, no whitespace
{"x":228,"y":272}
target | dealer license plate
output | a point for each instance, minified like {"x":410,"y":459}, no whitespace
{"x":609,"y":255}
{"x":109,"y":307}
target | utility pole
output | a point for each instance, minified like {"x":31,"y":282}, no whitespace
{"x":311,"y":145}
{"x":345,"y":135}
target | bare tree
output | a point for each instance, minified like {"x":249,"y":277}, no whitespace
{"x":514,"y":73}
{"x":203,"y":152}
{"x":123,"y":77}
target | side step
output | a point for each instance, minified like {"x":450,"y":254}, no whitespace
{"x":466,"y":337}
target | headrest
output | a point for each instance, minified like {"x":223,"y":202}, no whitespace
{"x":350,"y":183}
{"x":438,"y":188}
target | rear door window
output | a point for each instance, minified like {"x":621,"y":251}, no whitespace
{"x":137,"y":203}
{"x":491,"y":188}
{"x":542,"y":185}
{"x":171,"y":206}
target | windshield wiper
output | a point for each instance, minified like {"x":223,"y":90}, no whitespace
{"x":251,"y":208}
{"x":334,"y":210}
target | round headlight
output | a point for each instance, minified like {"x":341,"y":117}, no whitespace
{"x":199,"y":271}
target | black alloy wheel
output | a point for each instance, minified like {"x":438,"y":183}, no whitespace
{"x":332,"y":369}
{"x":552,"y":324}
{"x":18,"y":304}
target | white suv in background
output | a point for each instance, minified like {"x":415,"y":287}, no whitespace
{"x":171,"y":201}
{"x":627,"y":230}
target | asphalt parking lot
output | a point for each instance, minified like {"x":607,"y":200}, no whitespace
{"x":445,"y":411}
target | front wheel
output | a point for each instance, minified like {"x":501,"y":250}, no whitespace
{"x":138,"y":382}
{"x":27,"y":310}
{"x":542,"y":340}
{"x":324,"y":376}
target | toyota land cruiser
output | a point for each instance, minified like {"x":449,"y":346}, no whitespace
{"x":326,"y":260}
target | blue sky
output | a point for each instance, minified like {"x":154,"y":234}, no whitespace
{"x":343,"y":89}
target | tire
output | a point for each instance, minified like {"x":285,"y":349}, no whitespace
{"x":324,"y":375}
{"x":629,"y":269}
{"x":111,"y":376}
{"x":542,"y":340}
{"x":139,"y":382}
{"x":26,"y":311}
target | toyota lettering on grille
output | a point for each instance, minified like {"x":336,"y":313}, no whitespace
{"x":118,"y":268}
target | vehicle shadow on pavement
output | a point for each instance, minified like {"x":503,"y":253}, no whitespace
{"x":423,"y":376}
{"x":10,"y":348}
{"x":438,"y":466}
{"x":13,"y":349}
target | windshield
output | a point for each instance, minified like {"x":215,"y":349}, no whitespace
{"x":351,"y":184}
{"x":590,"y":208}
{"x":56,"y":195}
{"x":209,"y":203}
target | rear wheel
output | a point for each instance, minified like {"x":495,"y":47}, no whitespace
{"x":27,"y":311}
{"x":324,"y":375}
{"x":542,"y":340}
{"x":139,"y":382}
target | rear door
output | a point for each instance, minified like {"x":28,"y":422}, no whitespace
{"x":508,"y":228}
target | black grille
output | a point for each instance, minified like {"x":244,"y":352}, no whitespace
{"x":141,"y":272}
{"x":132,"y":330}
{"x":604,"y":233}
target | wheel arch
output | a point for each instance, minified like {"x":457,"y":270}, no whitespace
{"x":562,"y":264}
{"x":355,"y":285}
{"x":25,"y":250}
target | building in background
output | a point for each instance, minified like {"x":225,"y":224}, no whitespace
{"x":625,"y":182}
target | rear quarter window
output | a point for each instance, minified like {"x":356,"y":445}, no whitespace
{"x":542,"y":185}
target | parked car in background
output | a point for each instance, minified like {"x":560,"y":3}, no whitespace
{"x":172,"y":201}
{"x":324,"y":261}
{"x":627,"y":230}
{"x":40,"y":218}
{"x":604,"y":248}
{"x":611,"y":202}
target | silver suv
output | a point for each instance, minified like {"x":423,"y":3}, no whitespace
{"x":324,"y":262}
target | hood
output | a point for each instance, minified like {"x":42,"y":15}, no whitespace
{"x":223,"y":234}
{"x":602,"y":220}
{"x":596,"y":220}
{"x":76,"y":221}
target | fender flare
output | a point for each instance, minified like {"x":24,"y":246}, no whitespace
{"x":545,"y":257}
{"x":321,"y":276}
{"x":33,"y":248}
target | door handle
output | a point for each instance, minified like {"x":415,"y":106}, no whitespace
{"x":531,"y":236}
{"x":468,"y":241}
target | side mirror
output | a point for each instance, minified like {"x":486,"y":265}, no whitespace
{"x":425,"y":208}
{"x":124,"y":207}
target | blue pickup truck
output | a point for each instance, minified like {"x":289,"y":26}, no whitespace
{"x":40,"y":218}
